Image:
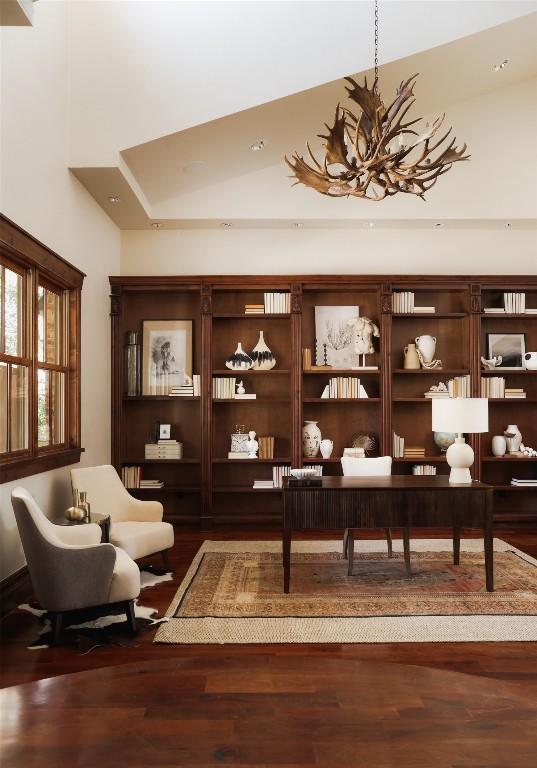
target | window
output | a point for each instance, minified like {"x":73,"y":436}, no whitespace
{"x":39,"y":356}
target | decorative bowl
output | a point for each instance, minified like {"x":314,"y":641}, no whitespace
{"x":444,"y":439}
{"x":304,"y":473}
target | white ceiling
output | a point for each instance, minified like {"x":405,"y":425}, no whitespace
{"x":150,"y":178}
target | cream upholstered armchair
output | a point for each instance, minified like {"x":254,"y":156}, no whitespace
{"x":136,"y":525}
{"x":70,"y":569}
{"x":378,"y":466}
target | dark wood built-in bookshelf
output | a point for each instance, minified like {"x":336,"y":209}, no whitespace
{"x":206,"y":487}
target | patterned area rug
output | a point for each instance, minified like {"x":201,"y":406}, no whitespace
{"x":233,"y":593}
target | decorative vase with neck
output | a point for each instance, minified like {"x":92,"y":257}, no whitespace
{"x":514,"y":438}
{"x":427,"y":346}
{"x":412,"y":360}
{"x":263,"y":358}
{"x":311,"y":439}
{"x":239,"y":360}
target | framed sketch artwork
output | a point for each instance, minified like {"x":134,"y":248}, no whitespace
{"x":510,"y":346}
{"x":167,"y":355}
{"x":334,"y":336}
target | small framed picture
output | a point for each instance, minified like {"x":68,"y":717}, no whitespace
{"x":165,"y":431}
{"x":511,"y":347}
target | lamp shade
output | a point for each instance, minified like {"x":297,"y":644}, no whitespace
{"x":461,"y":414}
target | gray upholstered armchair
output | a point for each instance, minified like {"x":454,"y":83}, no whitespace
{"x":70,"y":569}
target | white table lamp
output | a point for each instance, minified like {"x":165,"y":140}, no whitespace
{"x":462,"y":414}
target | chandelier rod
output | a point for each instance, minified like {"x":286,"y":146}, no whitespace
{"x":376,"y":45}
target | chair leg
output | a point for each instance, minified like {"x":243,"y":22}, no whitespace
{"x":350,"y":551}
{"x":56,"y":620}
{"x":345,"y":542}
{"x":406,"y":547}
{"x":131,"y":618}
{"x":388,"y":532}
{"x":165,"y":559}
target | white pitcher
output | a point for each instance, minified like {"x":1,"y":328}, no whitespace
{"x":327,"y":446}
{"x":427,"y":346}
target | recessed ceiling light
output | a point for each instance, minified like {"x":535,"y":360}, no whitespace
{"x":508,"y":225}
{"x":114,"y":199}
{"x":370,"y":224}
{"x":500,"y":65}
{"x":439,"y":224}
{"x":194,"y":167}
{"x":257,"y":146}
{"x":156,"y":225}
{"x":226,"y":224}
{"x":298,"y":224}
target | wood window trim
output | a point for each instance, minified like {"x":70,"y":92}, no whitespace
{"x":42,"y":266}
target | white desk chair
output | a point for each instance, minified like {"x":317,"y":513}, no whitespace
{"x":380,"y":466}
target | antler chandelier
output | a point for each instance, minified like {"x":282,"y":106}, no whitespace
{"x":375,"y":154}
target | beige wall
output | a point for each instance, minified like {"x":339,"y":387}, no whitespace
{"x":341,"y":251}
{"x":39,"y":194}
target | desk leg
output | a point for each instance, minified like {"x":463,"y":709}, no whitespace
{"x":350,"y":551}
{"x":388,"y":532}
{"x":456,"y":543}
{"x":286,"y":559}
{"x":406,"y":549}
{"x":488,"y":536}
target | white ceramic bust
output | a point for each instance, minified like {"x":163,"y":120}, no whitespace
{"x":252,"y":445}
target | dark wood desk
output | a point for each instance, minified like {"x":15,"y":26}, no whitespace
{"x":398,"y":501}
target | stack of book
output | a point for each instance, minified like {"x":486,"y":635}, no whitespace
{"x":413,"y":452}
{"x":187,"y":390}
{"x":398,"y":446}
{"x":514,"y":303}
{"x":531,"y":311}
{"x":403,"y":303}
{"x":493,"y":387}
{"x":254,"y":309}
{"x":224,"y":387}
{"x":432,"y":394}
{"x":131,"y":476}
{"x":514,"y":393}
{"x":344,"y":387}
{"x":263,"y":484}
{"x":151,"y":484}
{"x":266,"y":447}
{"x":306,"y":358}
{"x":277,"y":303}
{"x":524,"y":483}
{"x":423,"y":469}
{"x":278,"y":473}
{"x":459,"y":386}
{"x":164,"y":449}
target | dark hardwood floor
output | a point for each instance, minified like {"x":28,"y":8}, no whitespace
{"x":285,"y":705}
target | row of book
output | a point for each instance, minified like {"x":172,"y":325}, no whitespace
{"x":423,"y":469}
{"x":344,"y":387}
{"x":224,"y":388}
{"x":266,"y":447}
{"x":278,"y":473}
{"x":403,"y":302}
{"x":398,"y":446}
{"x":132,"y":478}
{"x":459,"y":386}
{"x":494,"y":387}
{"x":164,"y":449}
{"x":191,"y":389}
{"x":277,"y":303}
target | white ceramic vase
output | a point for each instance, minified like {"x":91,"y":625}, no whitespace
{"x":239,"y":360}
{"x":427,"y":346}
{"x":311,"y":439}
{"x":263,"y":359}
{"x":499,"y":445}
{"x":327,"y":446}
{"x":530,"y":361}
{"x":513,"y":443}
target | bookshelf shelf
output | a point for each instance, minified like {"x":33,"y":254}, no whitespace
{"x":430,"y":315}
{"x":356,"y":400}
{"x":199,"y":488}
{"x":515,"y":459}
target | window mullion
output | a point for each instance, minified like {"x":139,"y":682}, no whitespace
{"x":33,"y":283}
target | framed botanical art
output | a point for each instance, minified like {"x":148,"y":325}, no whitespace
{"x":334,"y":336}
{"x":166,"y":355}
{"x":511,"y":347}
